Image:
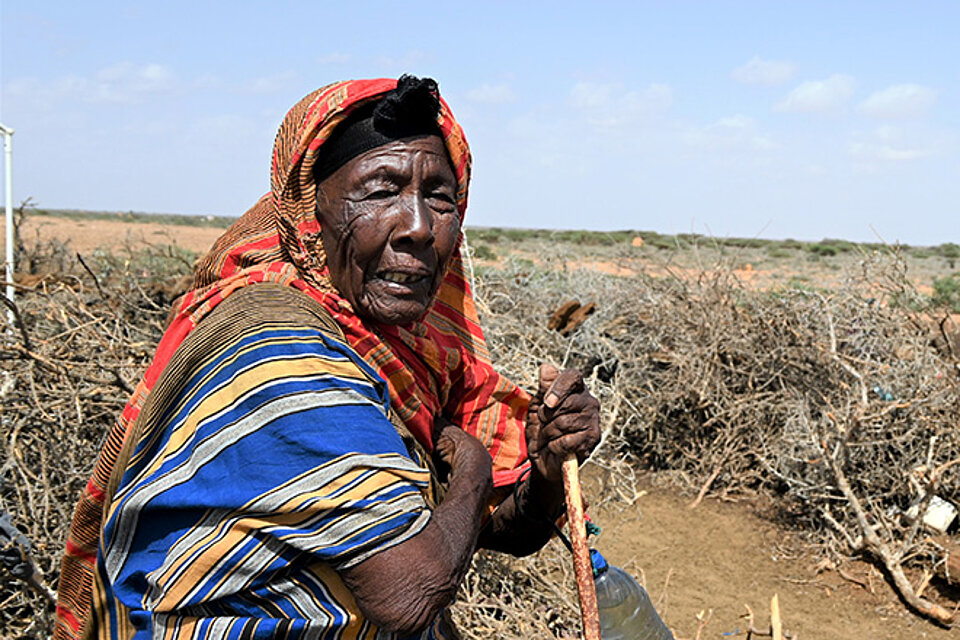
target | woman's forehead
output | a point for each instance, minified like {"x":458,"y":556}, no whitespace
{"x":401,"y":155}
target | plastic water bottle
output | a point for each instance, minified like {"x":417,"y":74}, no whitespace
{"x":626,"y":612}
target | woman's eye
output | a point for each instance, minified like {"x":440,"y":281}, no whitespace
{"x":380,"y":194}
{"x":443,"y":196}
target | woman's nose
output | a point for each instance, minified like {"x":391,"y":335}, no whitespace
{"x":415,"y":224}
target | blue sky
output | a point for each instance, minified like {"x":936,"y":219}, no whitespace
{"x":772,"y":119}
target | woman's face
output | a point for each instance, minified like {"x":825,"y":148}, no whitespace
{"x":390,"y":224}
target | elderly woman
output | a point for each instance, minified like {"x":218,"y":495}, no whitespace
{"x":321,"y":442}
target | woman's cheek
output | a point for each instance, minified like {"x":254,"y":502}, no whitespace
{"x":448,"y":232}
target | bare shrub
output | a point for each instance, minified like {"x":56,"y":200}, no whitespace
{"x":835,"y":404}
{"x":80,"y":343}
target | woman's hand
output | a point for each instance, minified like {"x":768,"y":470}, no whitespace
{"x":462,"y":453}
{"x":563,"y":419}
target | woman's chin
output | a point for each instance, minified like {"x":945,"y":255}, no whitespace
{"x":392,"y":311}
{"x":392,"y":303}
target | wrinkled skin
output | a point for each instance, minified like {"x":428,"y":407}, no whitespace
{"x":390,"y":224}
{"x":563,"y":419}
{"x":404,"y":588}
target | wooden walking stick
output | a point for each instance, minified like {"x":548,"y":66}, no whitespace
{"x":582,"y":566}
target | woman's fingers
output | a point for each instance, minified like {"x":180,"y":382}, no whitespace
{"x":581,"y":444}
{"x":579,"y":403}
{"x":564,"y":419}
{"x":566,"y":383}
{"x":548,"y":374}
{"x":576,"y":430}
{"x":569,"y":432}
{"x":460,"y":450}
{"x":565,"y":425}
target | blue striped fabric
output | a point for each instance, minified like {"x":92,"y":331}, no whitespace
{"x":272,"y":467}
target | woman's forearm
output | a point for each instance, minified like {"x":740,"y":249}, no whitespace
{"x":405,"y":587}
{"x":521,"y":525}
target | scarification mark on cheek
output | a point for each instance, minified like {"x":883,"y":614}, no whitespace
{"x":356,"y":215}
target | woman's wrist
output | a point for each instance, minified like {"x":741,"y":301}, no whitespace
{"x":539,"y":499}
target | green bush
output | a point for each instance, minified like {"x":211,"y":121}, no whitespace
{"x":660,"y":242}
{"x":745,"y":243}
{"x":518,"y":235}
{"x":217,"y":222}
{"x":485,"y":234}
{"x":494,"y":235}
{"x":951,"y":252}
{"x":823,"y":249}
{"x":842,"y":246}
{"x":777,"y":251}
{"x":593,"y":238}
{"x":946,"y":292}
{"x":484,"y":252}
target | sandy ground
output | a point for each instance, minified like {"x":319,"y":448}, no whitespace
{"x":721,"y":558}
{"x":85,"y":236}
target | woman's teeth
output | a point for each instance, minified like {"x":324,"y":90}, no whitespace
{"x":401,"y":278}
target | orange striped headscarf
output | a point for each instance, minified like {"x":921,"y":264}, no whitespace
{"x":436,"y":366}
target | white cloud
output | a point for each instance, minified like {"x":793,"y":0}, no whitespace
{"x":731,"y":133}
{"x":611,"y":105}
{"x":885,"y":153}
{"x":127,"y":83}
{"x":819,"y":96}
{"x":492,"y":94}
{"x":900,"y":101}
{"x":272,"y":83}
{"x":764,"y":72}
{"x":887,"y":143}
{"x":122,"y":83}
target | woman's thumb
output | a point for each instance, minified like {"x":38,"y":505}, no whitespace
{"x":548,"y":375}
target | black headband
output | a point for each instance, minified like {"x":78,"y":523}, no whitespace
{"x":408,"y":111}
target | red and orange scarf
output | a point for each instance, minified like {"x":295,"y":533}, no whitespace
{"x":437,"y":366}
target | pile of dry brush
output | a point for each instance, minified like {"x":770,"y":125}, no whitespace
{"x":834,"y":404}
{"x":842,"y":407}
{"x":77,"y":347}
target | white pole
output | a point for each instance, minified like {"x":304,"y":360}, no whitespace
{"x":8,"y":163}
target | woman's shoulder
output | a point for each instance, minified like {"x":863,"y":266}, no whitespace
{"x":276,"y":330}
{"x":269,"y":303}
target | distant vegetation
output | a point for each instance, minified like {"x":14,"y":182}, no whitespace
{"x":480,"y":236}
{"x":946,"y":292}
{"x":651,"y":239}
{"x":220,"y":222}
{"x":493,"y":244}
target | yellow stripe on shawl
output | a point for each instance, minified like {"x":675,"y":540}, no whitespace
{"x":236,"y":531}
{"x":332,"y":581}
{"x":243,"y":383}
{"x":334,"y":365}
